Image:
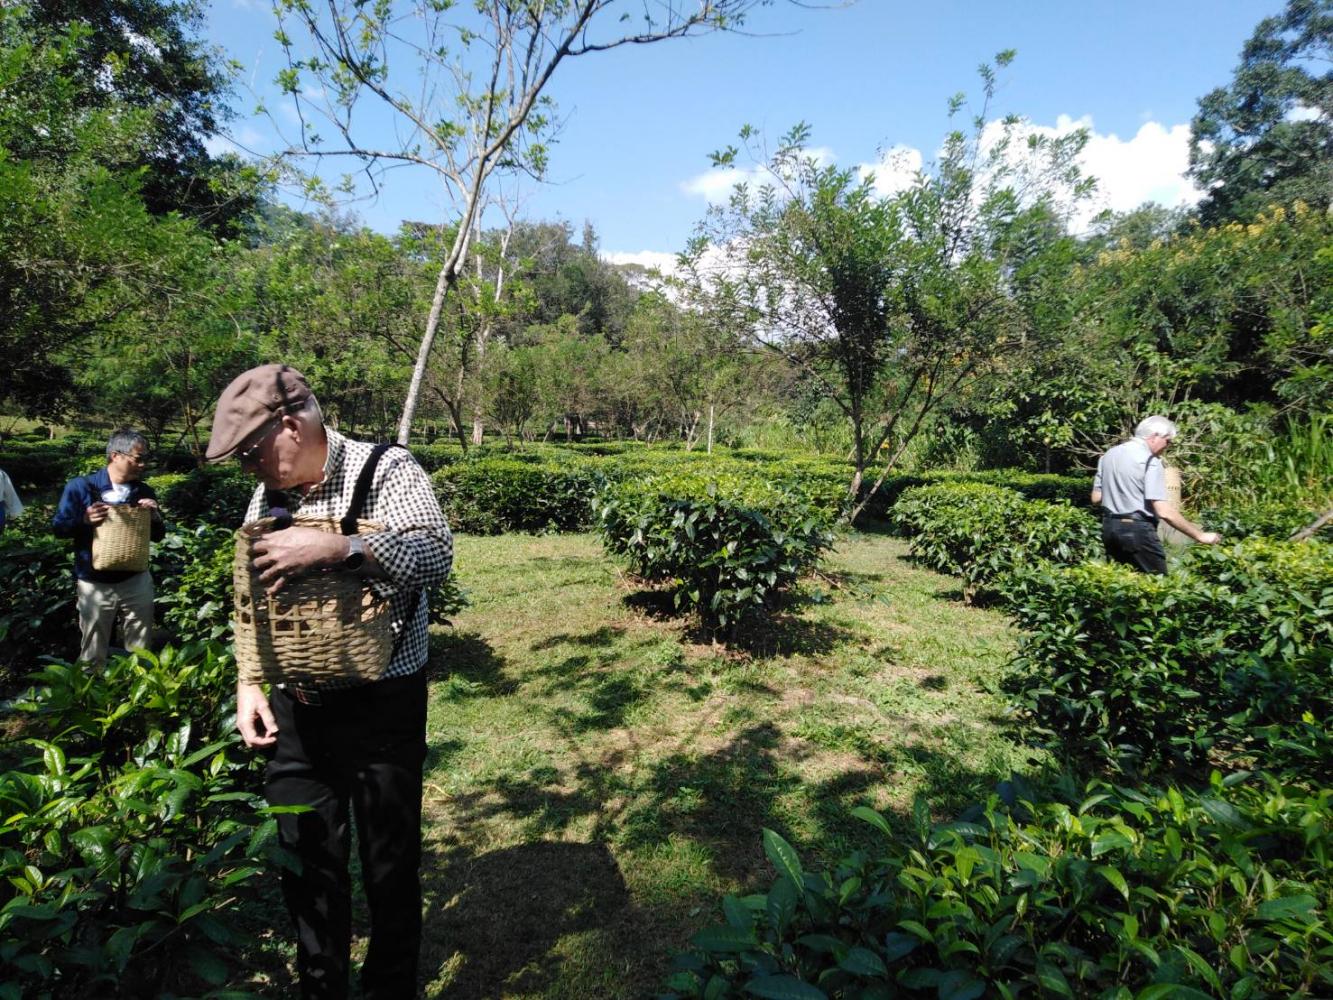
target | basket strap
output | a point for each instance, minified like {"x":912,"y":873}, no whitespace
{"x":354,"y":510}
{"x":362,"y":490}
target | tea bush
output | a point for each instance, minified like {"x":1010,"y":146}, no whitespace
{"x":726,"y":546}
{"x":1115,"y":894}
{"x":551,"y":488}
{"x":1230,"y":655}
{"x":985,"y":533}
{"x":37,"y":614}
{"x":1270,"y":519}
{"x":131,"y":826}
{"x":193,"y":577}
{"x":1075,"y":490}
{"x":493,"y":495}
{"x":211,"y":494}
{"x":41,"y":467}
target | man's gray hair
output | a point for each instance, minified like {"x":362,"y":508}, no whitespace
{"x":1156,"y":425}
{"x":123,"y":441}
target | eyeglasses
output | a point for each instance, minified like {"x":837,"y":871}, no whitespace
{"x":138,"y":459}
{"x":250,"y":455}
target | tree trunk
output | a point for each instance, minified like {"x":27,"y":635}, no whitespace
{"x":711,"y":408}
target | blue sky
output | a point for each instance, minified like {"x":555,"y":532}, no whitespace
{"x":872,"y":76}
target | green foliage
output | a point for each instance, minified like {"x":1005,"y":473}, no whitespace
{"x":44,"y":466}
{"x":493,"y":495}
{"x":1113,"y":893}
{"x":132,"y":826}
{"x":899,"y":303}
{"x":726,"y":546}
{"x":1228,"y":657}
{"x":194,"y":583}
{"x":211,"y":494}
{"x":1030,"y":485}
{"x":37,"y":615}
{"x":1249,"y":146}
{"x":1264,"y":519}
{"x":986,"y":533}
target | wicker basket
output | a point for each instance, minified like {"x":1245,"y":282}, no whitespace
{"x":121,"y":541}
{"x":319,"y":628}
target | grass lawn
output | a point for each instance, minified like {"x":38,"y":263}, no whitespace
{"x":598,"y":776}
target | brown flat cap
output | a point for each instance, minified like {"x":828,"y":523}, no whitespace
{"x":251,"y":401}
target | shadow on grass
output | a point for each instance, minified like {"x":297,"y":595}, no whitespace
{"x":493,"y":921}
{"x":789,"y":635}
{"x":463,"y":663}
{"x":658,"y":605}
{"x":597,"y":639}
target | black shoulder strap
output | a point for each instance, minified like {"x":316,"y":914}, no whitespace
{"x":362,"y":490}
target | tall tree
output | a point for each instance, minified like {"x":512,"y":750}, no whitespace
{"x":891,"y":305}
{"x":1268,"y":136}
{"x":80,"y":251}
{"x":465,"y":84}
{"x":148,"y":55}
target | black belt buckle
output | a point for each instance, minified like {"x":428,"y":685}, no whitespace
{"x":306,"y":696}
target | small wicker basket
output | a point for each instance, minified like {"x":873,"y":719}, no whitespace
{"x":320,"y":628}
{"x":121,"y":541}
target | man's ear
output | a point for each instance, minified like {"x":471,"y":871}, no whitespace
{"x":293,"y":426}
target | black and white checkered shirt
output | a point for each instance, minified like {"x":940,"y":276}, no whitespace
{"x":415,"y":552}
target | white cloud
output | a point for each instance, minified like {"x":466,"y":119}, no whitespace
{"x":716,"y":185}
{"x":651,"y":259}
{"x":894,"y":171}
{"x":1149,"y":167}
{"x":247,"y":142}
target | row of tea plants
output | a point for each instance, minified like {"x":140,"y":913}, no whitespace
{"x":1192,"y":860}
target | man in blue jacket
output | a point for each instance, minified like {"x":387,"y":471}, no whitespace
{"x":104,"y":595}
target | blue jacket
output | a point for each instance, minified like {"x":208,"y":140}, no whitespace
{"x":79,"y":495}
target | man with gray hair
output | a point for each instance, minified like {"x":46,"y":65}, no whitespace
{"x":1131,"y":485}
{"x":105,"y":595}
{"x":354,"y":748}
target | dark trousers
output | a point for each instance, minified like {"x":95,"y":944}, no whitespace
{"x":1134,"y":542}
{"x":364,"y":747}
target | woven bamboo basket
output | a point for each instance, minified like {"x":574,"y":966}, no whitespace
{"x":319,"y":628}
{"x":121,"y":541}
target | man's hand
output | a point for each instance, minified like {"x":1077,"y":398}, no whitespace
{"x":96,"y":514}
{"x":254,"y":717}
{"x":149,"y":503}
{"x":1209,"y":537}
{"x":282,"y":555}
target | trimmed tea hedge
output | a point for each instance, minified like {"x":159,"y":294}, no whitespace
{"x":1230,"y":655}
{"x":1114,"y":894}
{"x":494,"y":495}
{"x":1075,"y":490}
{"x":985,"y":533}
{"x":726,"y":546}
{"x":551,"y":489}
{"x":1273,"y":519}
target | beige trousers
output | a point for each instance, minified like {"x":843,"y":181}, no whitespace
{"x":101,"y":603}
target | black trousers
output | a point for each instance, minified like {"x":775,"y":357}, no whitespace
{"x":1134,"y":542}
{"x":364,"y":747}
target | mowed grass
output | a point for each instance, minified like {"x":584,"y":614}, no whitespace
{"x":598,"y":776}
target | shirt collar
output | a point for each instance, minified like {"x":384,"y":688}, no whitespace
{"x":337,"y":451}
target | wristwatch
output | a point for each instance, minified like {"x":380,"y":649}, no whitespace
{"x":356,"y":553}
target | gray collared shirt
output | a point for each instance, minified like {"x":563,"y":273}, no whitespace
{"x":1129,"y":477}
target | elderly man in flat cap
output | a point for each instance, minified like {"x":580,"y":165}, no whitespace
{"x":334,"y":746}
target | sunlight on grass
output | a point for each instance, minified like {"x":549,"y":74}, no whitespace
{"x":596,"y":770}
